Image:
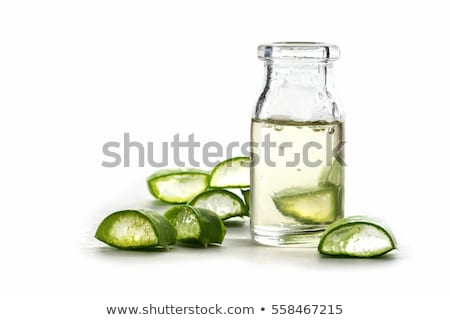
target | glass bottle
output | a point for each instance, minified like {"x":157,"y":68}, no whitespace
{"x":297,"y":134}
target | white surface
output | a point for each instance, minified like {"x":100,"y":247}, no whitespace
{"x":74,"y":75}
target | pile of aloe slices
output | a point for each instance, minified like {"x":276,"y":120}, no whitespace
{"x":202,"y":201}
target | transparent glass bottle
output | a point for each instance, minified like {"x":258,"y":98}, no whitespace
{"x":297,"y":134}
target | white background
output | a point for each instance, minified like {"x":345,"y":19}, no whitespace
{"x":76,"y":74}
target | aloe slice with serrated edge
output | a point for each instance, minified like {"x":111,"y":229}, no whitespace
{"x":136,"y":229}
{"x":177,"y":185}
{"x":223,"y":202}
{"x":196,"y":225}
{"x":357,"y":236}
{"x":231,"y":173}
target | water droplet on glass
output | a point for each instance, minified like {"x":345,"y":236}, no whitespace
{"x":278,"y":128}
{"x":331,"y":130}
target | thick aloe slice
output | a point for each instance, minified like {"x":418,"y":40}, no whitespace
{"x":225,"y":203}
{"x":196,"y":225}
{"x":357,"y":236}
{"x":177,"y":185}
{"x":316,"y":206}
{"x":231,"y":173}
{"x":136,"y":229}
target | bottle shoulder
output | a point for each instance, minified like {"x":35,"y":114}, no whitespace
{"x":299,"y":106}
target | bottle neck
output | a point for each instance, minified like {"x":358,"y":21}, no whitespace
{"x":298,"y":90}
{"x":300,"y":75}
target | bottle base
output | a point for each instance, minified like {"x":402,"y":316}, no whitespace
{"x":283,"y":238}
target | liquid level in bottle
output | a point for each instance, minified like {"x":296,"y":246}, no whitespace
{"x":297,"y":180}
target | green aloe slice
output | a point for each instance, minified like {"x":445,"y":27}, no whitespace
{"x":333,"y":174}
{"x":223,"y":202}
{"x":246,"y":195}
{"x":196,"y":225}
{"x":177,"y":185}
{"x":231,"y":173}
{"x":136,"y":229}
{"x":317,"y":206}
{"x":357,"y":236}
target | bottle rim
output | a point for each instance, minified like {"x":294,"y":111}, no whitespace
{"x":299,"y":51}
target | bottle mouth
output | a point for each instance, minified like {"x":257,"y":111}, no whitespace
{"x":299,"y":51}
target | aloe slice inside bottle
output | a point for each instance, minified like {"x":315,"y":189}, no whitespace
{"x":318,"y":206}
{"x":333,"y":174}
